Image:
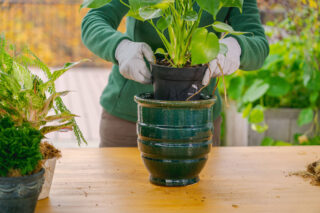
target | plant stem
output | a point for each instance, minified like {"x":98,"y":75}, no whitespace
{"x":125,"y":4}
{"x":193,"y":28}
{"x":161,"y":35}
{"x":224,"y":84}
{"x":189,"y":98}
{"x":224,"y":35}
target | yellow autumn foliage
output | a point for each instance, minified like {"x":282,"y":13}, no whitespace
{"x":51,"y":29}
{"x":312,"y":3}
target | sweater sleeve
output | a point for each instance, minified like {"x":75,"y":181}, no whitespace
{"x":99,"y":29}
{"x":254,"y":45}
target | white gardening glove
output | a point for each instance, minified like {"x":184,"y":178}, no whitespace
{"x":229,"y":62}
{"x":130,"y":56}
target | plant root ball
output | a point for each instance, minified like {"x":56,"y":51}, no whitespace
{"x":48,"y":151}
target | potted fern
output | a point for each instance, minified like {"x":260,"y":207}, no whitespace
{"x":175,"y":123}
{"x":27,"y":98}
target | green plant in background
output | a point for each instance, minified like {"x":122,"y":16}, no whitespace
{"x":187,"y":43}
{"x":290,"y":77}
{"x":26,"y":98}
{"x":19,"y":148}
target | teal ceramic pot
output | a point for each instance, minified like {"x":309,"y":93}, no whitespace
{"x":174,"y":138}
{"x":20,"y":194}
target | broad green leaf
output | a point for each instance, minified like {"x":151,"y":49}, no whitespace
{"x":164,"y":22}
{"x":212,"y":7}
{"x":164,"y":4}
{"x":160,"y":51}
{"x":259,"y":128}
{"x":223,"y":49}
{"x":232,"y":3}
{"x":256,"y":91}
{"x":150,"y":13}
{"x":135,"y":14}
{"x":256,"y":115}
{"x":267,"y":141}
{"x":247,"y":110}
{"x":136,"y":5}
{"x":314,"y":97}
{"x":94,"y":3}
{"x":236,"y":87}
{"x":314,"y":84}
{"x":223,"y":27}
{"x":305,"y":116}
{"x":278,"y":87}
{"x":191,"y":16}
{"x":204,"y":46}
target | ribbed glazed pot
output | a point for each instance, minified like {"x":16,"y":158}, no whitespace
{"x":174,"y":138}
{"x":20,"y":194}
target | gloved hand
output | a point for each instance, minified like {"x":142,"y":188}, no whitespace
{"x":229,"y":62}
{"x":130,"y":56}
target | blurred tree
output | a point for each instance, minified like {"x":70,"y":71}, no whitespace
{"x":51,"y":28}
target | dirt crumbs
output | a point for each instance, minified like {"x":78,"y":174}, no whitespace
{"x":235,"y":206}
{"x":313,"y":173}
{"x":48,"y":151}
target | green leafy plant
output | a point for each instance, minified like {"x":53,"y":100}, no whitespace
{"x":27,"y":98}
{"x":290,"y":77}
{"x":19,"y":148}
{"x":271,"y":142}
{"x":299,"y":139}
{"x":187,"y":43}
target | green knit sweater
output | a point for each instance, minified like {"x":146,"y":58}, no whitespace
{"x":100,"y":35}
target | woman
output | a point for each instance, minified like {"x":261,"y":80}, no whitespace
{"x":130,"y":75}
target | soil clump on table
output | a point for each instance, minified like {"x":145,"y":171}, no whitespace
{"x":312,"y":173}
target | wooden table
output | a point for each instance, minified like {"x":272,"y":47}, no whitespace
{"x":235,"y":179}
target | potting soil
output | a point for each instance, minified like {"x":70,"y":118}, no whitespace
{"x":49,"y":151}
{"x":313,"y":173}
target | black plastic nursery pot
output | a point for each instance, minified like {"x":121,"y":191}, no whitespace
{"x":20,"y":194}
{"x":177,"y":84}
{"x":174,"y":138}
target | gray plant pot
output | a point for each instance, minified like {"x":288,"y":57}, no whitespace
{"x":282,"y":126}
{"x":20,"y":194}
{"x":49,"y":166}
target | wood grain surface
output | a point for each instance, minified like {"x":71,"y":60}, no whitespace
{"x":235,"y":179}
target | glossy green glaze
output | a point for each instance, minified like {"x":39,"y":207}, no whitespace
{"x":174,"y":138}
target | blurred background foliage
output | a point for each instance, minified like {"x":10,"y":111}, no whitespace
{"x":289,"y":78}
{"x":52,"y":28}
